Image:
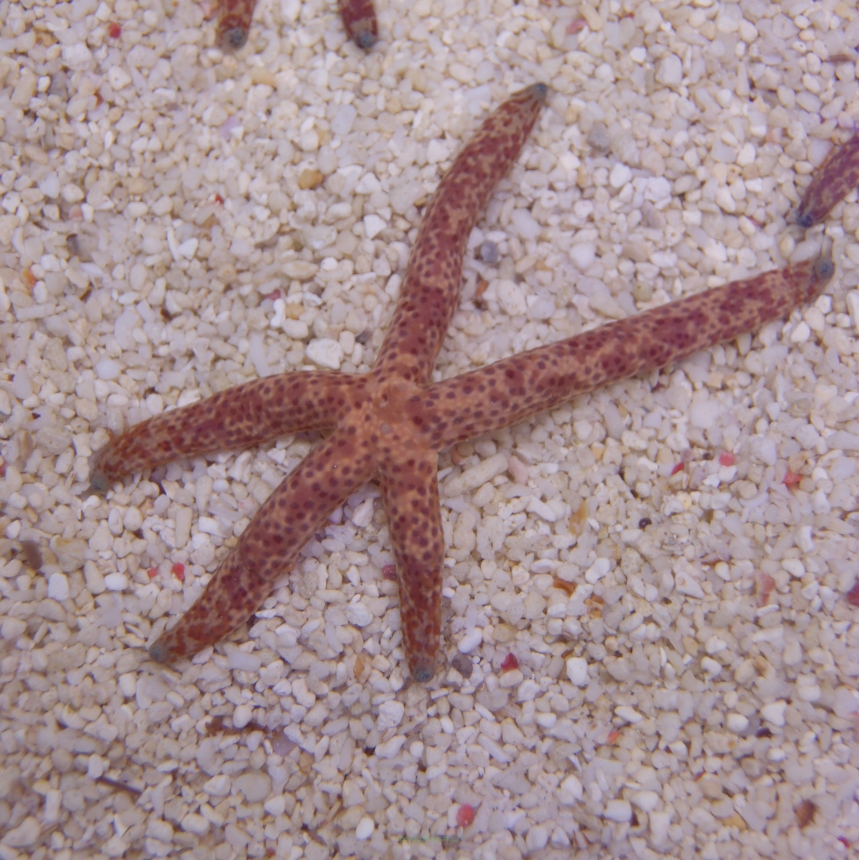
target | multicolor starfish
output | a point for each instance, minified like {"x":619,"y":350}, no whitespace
{"x":390,"y":423}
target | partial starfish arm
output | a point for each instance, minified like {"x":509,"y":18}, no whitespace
{"x":234,"y":23}
{"x":359,"y":20}
{"x":430,"y":289}
{"x":832,"y":182}
{"x":237,"y":418}
{"x":524,"y":385}
{"x":267,"y":549}
{"x":410,"y":497}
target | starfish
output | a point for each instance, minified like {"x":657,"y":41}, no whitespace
{"x":358,"y":16}
{"x":391,"y":423}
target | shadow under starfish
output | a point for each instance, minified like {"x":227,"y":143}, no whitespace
{"x":391,"y":423}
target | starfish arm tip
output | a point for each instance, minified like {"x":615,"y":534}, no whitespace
{"x":422,"y":670}
{"x":160,"y":653}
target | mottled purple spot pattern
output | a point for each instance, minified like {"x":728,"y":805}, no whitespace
{"x":832,"y":182}
{"x":391,"y":422}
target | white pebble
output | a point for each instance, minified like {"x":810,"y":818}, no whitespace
{"x":619,"y":176}
{"x":583,"y":255}
{"x":670,"y":70}
{"x":704,"y":412}
{"x":804,"y":540}
{"x":118,"y":78}
{"x":373,"y":225}
{"x":685,"y":584}
{"x":625,"y":712}
{"x":58,"y":586}
{"x":773,"y":712}
{"x":358,"y":614}
{"x":477,"y":475}
{"x":116,"y":582}
{"x":188,"y":248}
{"x":794,"y":567}
{"x":646,"y":801}
{"x":537,"y":838}
{"x":736,"y":723}
{"x":77,"y":55}
{"x":471,"y":640}
{"x":853,"y":308}
{"x":365,"y":828}
{"x":572,"y":789}
{"x":711,"y":667}
{"x":597,"y":570}
{"x":107,"y":369}
{"x":390,"y":715}
{"x":511,"y":298}
{"x":577,"y":671}
{"x":218,"y":786}
{"x":343,"y":119}
{"x":194,"y":823}
{"x":801,"y":333}
{"x":542,"y":510}
{"x":618,"y":810}
{"x":659,"y":824}
{"x":254,"y":785}
{"x":12,"y":628}
{"x":242,"y":715}
{"x":24,"y":835}
{"x":296,"y":329}
{"x":363,"y":514}
{"x":525,"y":223}
{"x":325,"y":352}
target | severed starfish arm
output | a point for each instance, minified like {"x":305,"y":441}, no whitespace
{"x":832,"y":182}
{"x":238,"y":418}
{"x":410,"y":497}
{"x":518,"y":387}
{"x":430,"y":291}
{"x":268,"y":548}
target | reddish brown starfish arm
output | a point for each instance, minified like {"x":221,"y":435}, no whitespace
{"x":430,"y":289}
{"x":832,"y":182}
{"x":516,"y":388}
{"x":270,"y":545}
{"x":238,"y":418}
{"x":359,"y":20}
{"x":410,"y":497}
{"x":234,"y":23}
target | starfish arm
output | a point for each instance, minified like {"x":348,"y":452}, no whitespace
{"x":832,"y":182}
{"x":430,"y":289}
{"x":234,"y":23}
{"x":237,"y":418}
{"x":359,"y":21}
{"x":270,"y":545}
{"x":410,"y":496}
{"x":524,"y":385}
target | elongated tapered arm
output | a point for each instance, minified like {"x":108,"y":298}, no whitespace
{"x":430,"y":290}
{"x":519,"y":387}
{"x":269,"y":547}
{"x":410,"y":497}
{"x":237,"y":418}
